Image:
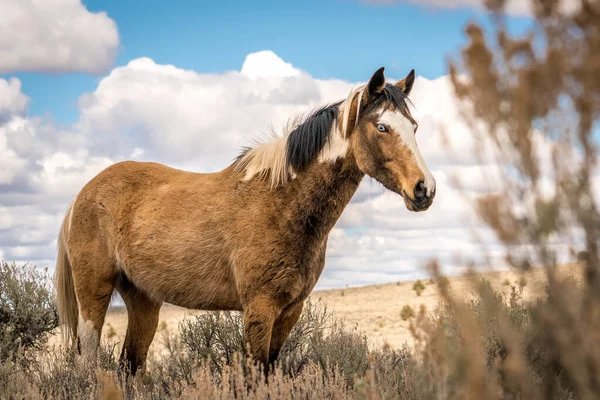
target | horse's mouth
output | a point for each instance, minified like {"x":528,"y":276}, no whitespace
{"x":415,"y":206}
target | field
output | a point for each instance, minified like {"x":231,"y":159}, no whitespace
{"x":408,"y":340}
{"x":374,"y":310}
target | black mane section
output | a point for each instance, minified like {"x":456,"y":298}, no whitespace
{"x":305,"y":142}
{"x":309,"y":138}
{"x":390,"y":94}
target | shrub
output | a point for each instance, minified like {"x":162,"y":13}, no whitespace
{"x":501,"y":347}
{"x":407,"y":312}
{"x":217,"y":336}
{"x":315,"y":339}
{"x":418,"y":287}
{"x":110,"y":331}
{"x":534,"y":112}
{"x":27,"y":310}
{"x":321,"y":359}
{"x":522,"y":282}
{"x":340,"y":352}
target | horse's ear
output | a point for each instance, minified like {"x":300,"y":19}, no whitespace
{"x":406,"y":84}
{"x":377,"y":82}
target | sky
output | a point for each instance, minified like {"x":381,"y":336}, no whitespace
{"x":86,"y":84}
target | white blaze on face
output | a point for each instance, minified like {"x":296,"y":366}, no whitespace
{"x":403,"y":127}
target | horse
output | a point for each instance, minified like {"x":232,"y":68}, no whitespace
{"x":251,"y":237}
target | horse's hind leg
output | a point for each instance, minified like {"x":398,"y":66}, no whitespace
{"x":142,"y":320}
{"x":94,"y":282}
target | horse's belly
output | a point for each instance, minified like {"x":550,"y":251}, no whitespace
{"x":215,"y":298}
{"x":191,"y":279}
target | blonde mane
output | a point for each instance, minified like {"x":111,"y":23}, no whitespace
{"x":271,"y":159}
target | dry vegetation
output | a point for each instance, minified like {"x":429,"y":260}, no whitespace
{"x":490,"y":346}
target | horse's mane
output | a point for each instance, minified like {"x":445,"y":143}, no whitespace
{"x":305,"y":137}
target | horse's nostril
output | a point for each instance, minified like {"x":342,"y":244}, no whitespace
{"x":420,"y":190}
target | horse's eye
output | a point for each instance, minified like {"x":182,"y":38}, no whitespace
{"x":381,"y":128}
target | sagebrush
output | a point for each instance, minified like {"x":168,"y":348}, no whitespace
{"x":27,"y":311}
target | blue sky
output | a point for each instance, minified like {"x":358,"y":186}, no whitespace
{"x":328,"y":39}
{"x":154,"y":83}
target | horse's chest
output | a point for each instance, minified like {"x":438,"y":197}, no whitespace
{"x":310,"y":269}
{"x":286,"y":265}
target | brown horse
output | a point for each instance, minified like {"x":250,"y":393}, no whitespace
{"x":251,"y":237}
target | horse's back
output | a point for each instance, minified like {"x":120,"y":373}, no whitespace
{"x":161,"y":227}
{"x":118,"y":191}
{"x":102,"y":210}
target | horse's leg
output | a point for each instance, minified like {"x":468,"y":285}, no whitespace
{"x":94,"y":280}
{"x":142,"y":320}
{"x":259,"y":317}
{"x":282,"y":328}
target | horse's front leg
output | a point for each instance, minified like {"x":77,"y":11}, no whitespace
{"x":282,"y":328}
{"x":259,"y":316}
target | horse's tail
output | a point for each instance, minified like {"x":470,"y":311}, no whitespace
{"x":66,"y":300}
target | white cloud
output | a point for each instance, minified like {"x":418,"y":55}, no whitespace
{"x":55,"y":36}
{"x":267,"y":64}
{"x":182,"y":116}
{"x":513,"y":7}
{"x":199,"y":122}
{"x":12,"y":101}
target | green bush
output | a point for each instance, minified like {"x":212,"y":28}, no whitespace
{"x":407,"y":312}
{"x":27,"y":311}
{"x":217,"y":336}
{"x":316,"y":338}
{"x":418,"y":287}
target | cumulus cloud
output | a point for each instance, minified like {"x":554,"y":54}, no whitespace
{"x":267,"y":64}
{"x":12,"y":100}
{"x":182,"y":116}
{"x":162,"y":113}
{"x":55,"y":36}
{"x":513,"y":7}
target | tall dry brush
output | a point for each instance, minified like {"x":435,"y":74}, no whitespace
{"x":533,"y":102}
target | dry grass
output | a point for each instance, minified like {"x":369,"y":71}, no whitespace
{"x":365,"y":308}
{"x":323,"y":357}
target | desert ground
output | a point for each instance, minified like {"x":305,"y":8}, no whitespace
{"x":373,"y":309}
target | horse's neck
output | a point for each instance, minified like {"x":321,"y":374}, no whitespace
{"x":323,"y":191}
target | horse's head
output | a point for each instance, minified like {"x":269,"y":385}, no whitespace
{"x":382,"y":138}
